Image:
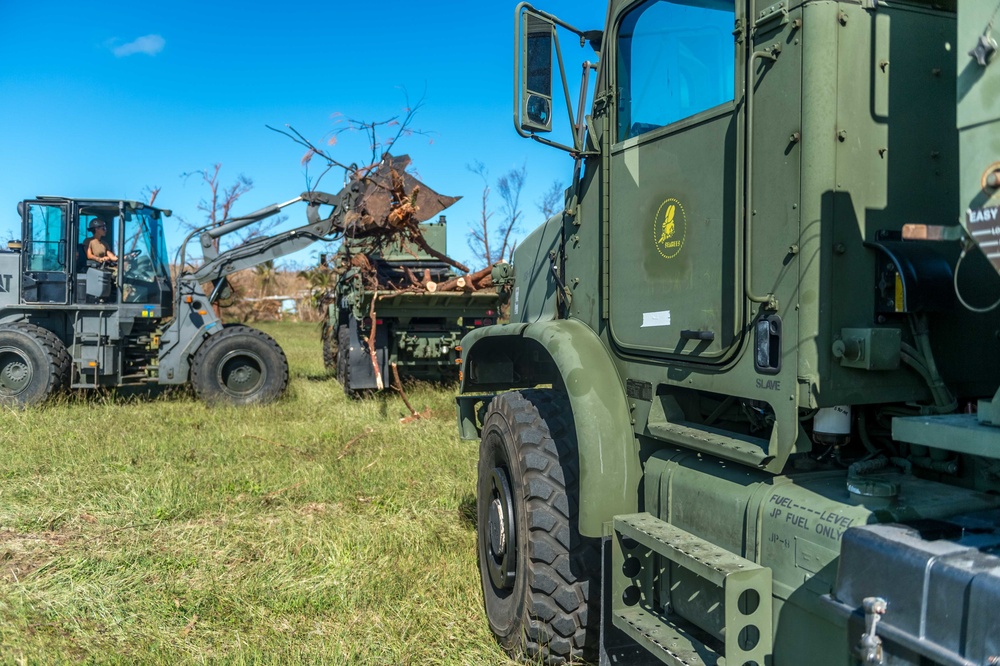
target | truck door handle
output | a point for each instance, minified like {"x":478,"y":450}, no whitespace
{"x":707,"y":336}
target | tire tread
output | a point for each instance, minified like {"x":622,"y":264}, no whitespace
{"x":201,"y":375}
{"x":563,"y":566}
{"x":59,"y":360}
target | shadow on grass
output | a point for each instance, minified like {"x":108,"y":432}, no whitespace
{"x":128,"y":395}
{"x":468,"y":515}
{"x":318,"y":377}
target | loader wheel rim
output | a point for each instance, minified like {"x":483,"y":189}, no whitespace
{"x":502,"y":552}
{"x":242,"y":373}
{"x":15,"y":371}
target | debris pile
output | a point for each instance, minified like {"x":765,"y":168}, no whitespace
{"x":400,"y":278}
{"x":383,"y":210}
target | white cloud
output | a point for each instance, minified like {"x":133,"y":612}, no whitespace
{"x":148,"y":44}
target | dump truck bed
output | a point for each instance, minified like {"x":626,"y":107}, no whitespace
{"x":427,"y":304}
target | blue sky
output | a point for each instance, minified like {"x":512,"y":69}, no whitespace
{"x":105,"y":99}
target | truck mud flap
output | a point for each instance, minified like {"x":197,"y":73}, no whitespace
{"x":362,"y":372}
{"x":652,"y":565}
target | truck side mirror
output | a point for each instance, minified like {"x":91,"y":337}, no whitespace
{"x":536,"y":40}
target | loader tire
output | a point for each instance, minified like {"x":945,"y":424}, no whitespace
{"x":540,"y":577}
{"x":330,"y":346}
{"x":34,"y":364}
{"x":239,"y":366}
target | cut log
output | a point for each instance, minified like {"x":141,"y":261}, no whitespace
{"x":431,"y":287}
{"x":451,"y":285}
{"x":480,"y":274}
{"x":427,"y":277}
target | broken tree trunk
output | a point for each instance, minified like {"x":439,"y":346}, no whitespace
{"x":410,"y":276}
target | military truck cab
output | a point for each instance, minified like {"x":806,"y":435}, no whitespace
{"x":732,"y":415}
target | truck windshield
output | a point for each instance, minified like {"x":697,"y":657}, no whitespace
{"x":144,"y":250}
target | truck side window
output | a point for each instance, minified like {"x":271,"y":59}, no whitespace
{"x":675,"y":59}
{"x":47,"y":238}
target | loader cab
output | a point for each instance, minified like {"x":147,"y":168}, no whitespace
{"x":54,"y":266}
{"x":46,"y":257}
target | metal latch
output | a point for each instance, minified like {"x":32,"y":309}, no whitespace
{"x":774,"y":12}
{"x":870,"y":647}
{"x":984,"y":50}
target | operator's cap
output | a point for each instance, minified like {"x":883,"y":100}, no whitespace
{"x":95,"y":223}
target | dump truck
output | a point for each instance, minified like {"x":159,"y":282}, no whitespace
{"x":72,"y":320}
{"x":746,"y":409}
{"x":397,"y":306}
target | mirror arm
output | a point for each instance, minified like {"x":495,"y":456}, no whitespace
{"x":555,"y":144}
{"x":554,"y":19}
{"x":577,"y":147}
{"x":581,"y":123}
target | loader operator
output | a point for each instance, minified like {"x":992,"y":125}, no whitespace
{"x":97,"y":250}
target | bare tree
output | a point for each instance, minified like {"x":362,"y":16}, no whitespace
{"x":390,"y":190}
{"x":509,"y":186}
{"x":150,"y":192}
{"x":218,"y":206}
{"x":382,"y":135}
{"x":490,"y":243}
{"x":221,"y":200}
{"x":479,"y":236}
{"x":551,"y":202}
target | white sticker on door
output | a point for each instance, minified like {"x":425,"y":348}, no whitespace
{"x":651,"y":319}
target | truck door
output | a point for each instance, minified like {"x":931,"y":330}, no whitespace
{"x":45,"y":256}
{"x":675,"y":190}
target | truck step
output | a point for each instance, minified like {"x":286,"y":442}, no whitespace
{"x":647,"y":553}
{"x":741,"y":448}
{"x":668,"y":642}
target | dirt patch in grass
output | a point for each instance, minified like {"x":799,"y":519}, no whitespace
{"x":21,"y":554}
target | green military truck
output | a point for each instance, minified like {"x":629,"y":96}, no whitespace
{"x":746,"y":410}
{"x":387,"y":311}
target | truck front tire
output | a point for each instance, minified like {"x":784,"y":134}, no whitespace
{"x":330,"y":346}
{"x":34,"y":364}
{"x":240,"y":366}
{"x":540,"y":577}
{"x":344,"y":359}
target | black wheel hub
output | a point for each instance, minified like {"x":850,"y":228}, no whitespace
{"x":241,"y":373}
{"x":15,"y":371}
{"x":501,"y":552}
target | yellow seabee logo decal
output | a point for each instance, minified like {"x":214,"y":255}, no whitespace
{"x":670,"y":228}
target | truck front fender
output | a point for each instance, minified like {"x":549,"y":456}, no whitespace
{"x":570,"y":356}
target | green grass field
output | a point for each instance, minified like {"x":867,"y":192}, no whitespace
{"x":315,"y":530}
